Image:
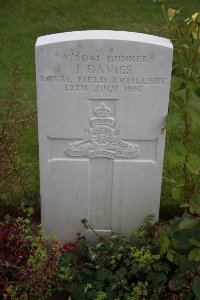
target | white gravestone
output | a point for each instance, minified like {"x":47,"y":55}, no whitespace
{"x":102,"y":102}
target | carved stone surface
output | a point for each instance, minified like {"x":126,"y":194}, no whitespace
{"x":102,"y":102}
{"x":103,"y":139}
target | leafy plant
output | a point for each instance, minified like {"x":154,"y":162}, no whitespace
{"x":151,"y":263}
{"x":115,"y":268}
{"x":183,"y":118}
{"x":27,"y":260}
{"x":154,"y":262}
{"x":180,"y":244}
{"x":13,"y":118}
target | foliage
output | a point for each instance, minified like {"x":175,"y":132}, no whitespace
{"x":180,"y":244}
{"x":114,"y":268}
{"x":27,"y":259}
{"x":183,"y":118}
{"x":153,"y":262}
{"x":12,"y":120}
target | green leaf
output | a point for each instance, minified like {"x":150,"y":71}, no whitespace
{"x":149,"y":219}
{"x":197,"y":258}
{"x":191,"y":85}
{"x":185,"y":205}
{"x":164,"y":243}
{"x":176,"y":193}
{"x":192,"y":210}
{"x":194,"y":118}
{"x":156,"y":278}
{"x":172,"y":119}
{"x":177,"y":155}
{"x":175,"y":158}
{"x":178,"y":101}
{"x":170,"y":255}
{"x":161,"y":266}
{"x":103,"y":275}
{"x":194,"y":242}
{"x":194,"y":254}
{"x":186,"y":265}
{"x":180,"y":184}
{"x":187,"y":223}
{"x":178,"y":84}
{"x":193,"y":164}
{"x":196,"y":289}
{"x":180,"y":239}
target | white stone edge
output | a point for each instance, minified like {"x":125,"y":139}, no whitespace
{"x":103,"y":35}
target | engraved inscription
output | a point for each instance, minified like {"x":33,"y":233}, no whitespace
{"x":103,"y":139}
{"x":72,"y":56}
{"x":76,"y":56}
{"x":76,"y":88}
{"x":106,"y":72}
{"x":128,"y":58}
{"x":109,"y":69}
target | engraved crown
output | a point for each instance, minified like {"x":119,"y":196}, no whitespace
{"x":102,"y":111}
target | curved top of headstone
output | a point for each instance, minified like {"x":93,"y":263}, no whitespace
{"x":103,"y":35}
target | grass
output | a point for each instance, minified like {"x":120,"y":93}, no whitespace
{"x":22,"y":21}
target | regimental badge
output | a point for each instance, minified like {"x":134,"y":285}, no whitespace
{"x":103,"y":139}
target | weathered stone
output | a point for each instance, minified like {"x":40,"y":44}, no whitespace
{"x":102,"y":101}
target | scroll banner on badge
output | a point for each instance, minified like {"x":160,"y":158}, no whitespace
{"x":101,"y":153}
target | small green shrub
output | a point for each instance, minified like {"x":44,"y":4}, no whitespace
{"x":179,"y":248}
{"x":115,"y":268}
{"x":27,"y":259}
{"x":154,"y":262}
{"x":183,"y":160}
